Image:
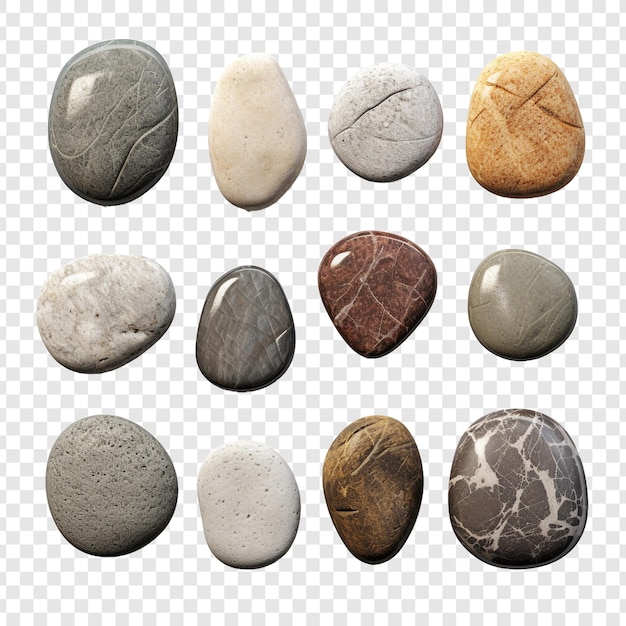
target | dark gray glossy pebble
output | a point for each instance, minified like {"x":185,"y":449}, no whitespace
{"x":246,"y":337}
{"x":521,"y":306}
{"x":113,"y":121}
{"x":517,"y":494}
{"x":111,"y":485}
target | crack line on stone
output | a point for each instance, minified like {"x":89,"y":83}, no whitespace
{"x":135,"y":144}
{"x":557,"y":117}
{"x":371,"y":108}
{"x":490,"y":84}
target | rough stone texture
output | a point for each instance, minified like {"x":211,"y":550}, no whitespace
{"x":386,"y":122}
{"x":250,"y":504}
{"x":517,"y":495}
{"x":525,"y":135}
{"x":113,"y":121}
{"x":373,"y":484}
{"x":246,"y":337}
{"x":97,"y":313}
{"x":111,"y":485}
{"x":377,"y":288}
{"x":521,"y":306}
{"x":257,"y":138}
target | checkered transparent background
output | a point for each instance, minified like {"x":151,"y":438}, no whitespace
{"x":438,"y":382}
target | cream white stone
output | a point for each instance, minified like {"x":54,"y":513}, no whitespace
{"x":250,"y":504}
{"x":99,"y":312}
{"x":257,"y":137}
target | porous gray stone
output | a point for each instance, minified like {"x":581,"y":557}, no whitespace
{"x":517,"y":494}
{"x":521,"y":306}
{"x":111,"y":486}
{"x":99,"y":312}
{"x":386,"y":122}
{"x":246,"y":336}
{"x":250,"y":504}
{"x":113,"y":121}
{"x":257,"y":138}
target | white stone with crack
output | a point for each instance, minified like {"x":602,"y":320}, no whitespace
{"x":250,"y":504}
{"x":99,"y":312}
{"x":386,"y":122}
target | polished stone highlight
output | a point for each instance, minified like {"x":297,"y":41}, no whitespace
{"x":111,"y":486}
{"x":113,"y":121}
{"x":517,"y":493}
{"x":377,"y":287}
{"x":386,"y":122}
{"x":100,"y":312}
{"x":257,"y":137}
{"x":521,"y":306}
{"x":525,"y":135}
{"x":250,"y":504}
{"x":373,"y":485}
{"x":246,"y":336}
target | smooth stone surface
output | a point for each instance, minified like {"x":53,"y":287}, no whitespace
{"x":257,"y":138}
{"x":525,"y":135}
{"x":377,"y":288}
{"x":517,"y":495}
{"x":521,"y":306}
{"x":246,"y":336}
{"x":97,"y":313}
{"x":373,"y":485}
{"x":113,"y":121}
{"x":111,"y":486}
{"x":386,"y":122}
{"x":250,"y":504}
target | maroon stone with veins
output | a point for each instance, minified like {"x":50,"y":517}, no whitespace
{"x":377,"y":287}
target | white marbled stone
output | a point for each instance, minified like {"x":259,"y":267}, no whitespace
{"x":99,"y":312}
{"x":386,"y":122}
{"x":257,"y":138}
{"x":250,"y":504}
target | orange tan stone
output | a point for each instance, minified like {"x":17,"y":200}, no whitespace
{"x":525,"y":135}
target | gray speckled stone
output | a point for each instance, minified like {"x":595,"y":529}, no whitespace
{"x":517,"y":494}
{"x":250,"y":504}
{"x":113,"y":121}
{"x":246,"y":337}
{"x":97,"y":313}
{"x":111,"y":485}
{"x":521,"y":306}
{"x":386,"y":122}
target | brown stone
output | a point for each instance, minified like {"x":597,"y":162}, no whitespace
{"x":377,"y":288}
{"x":525,"y":135}
{"x":373,"y":484}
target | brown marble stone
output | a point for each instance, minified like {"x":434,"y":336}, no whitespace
{"x":517,"y":495}
{"x":377,"y":287}
{"x":373,"y":484}
{"x":525,"y":135}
